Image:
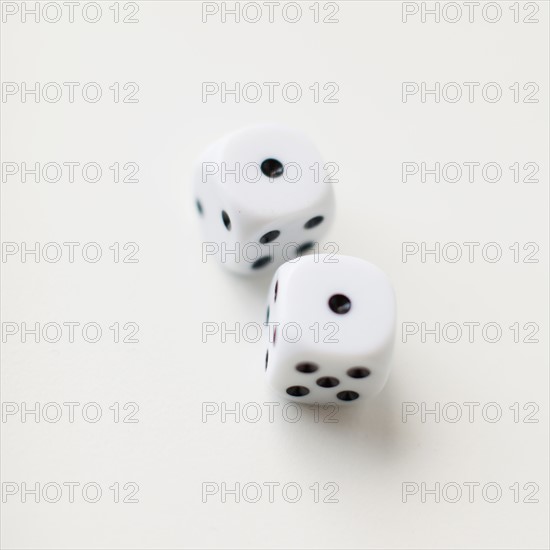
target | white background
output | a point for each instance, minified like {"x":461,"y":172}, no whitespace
{"x":369,"y":453}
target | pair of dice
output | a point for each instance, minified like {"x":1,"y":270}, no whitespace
{"x":264,"y":198}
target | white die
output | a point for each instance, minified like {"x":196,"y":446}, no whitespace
{"x":343,"y":310}
{"x":253,"y":222}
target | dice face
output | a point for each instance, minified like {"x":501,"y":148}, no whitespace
{"x":263,"y":197}
{"x":332,"y":326}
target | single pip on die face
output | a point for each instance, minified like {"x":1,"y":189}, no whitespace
{"x":263,"y":197}
{"x":344,"y":311}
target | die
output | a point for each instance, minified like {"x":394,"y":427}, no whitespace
{"x":263,"y":196}
{"x":331,"y":326}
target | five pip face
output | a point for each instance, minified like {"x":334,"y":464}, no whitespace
{"x":263,"y":197}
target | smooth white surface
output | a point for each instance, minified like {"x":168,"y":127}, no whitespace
{"x":170,"y":293}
